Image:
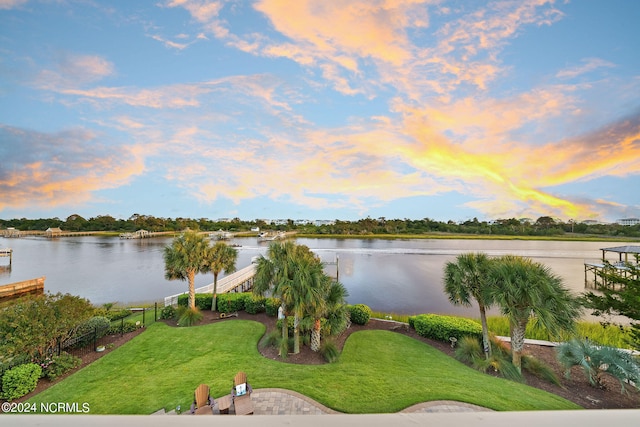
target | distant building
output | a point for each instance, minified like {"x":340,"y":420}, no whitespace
{"x":53,"y":232}
{"x":629,"y":221}
{"x":319,"y":222}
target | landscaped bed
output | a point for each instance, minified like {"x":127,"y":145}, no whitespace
{"x":378,"y":372}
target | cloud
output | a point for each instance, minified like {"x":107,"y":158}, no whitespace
{"x":63,"y":168}
{"x":74,"y":71}
{"x":589,"y":64}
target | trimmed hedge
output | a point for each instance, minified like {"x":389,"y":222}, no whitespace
{"x":442,"y":328}
{"x":203,"y":301}
{"x":360,"y":314}
{"x":231,"y":302}
{"x":254,"y":304}
{"x":18,"y":381}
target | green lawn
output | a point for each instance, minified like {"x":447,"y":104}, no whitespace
{"x":378,"y":372}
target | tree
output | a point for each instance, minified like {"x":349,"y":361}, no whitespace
{"x":186,"y":256}
{"x":34,"y":325}
{"x":331,"y":306}
{"x":467,"y":279}
{"x":621,"y":296}
{"x":220,"y":257}
{"x":525,"y":289}
{"x":294,"y":274}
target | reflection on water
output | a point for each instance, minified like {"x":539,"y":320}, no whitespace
{"x":401,"y":276}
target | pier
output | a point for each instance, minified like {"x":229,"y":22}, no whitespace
{"x":19,"y":289}
{"x":593,"y":270}
{"x":240,"y":281}
{"x":8,"y":252}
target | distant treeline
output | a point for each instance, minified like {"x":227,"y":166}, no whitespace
{"x":543,"y":226}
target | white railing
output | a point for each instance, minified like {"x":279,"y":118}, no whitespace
{"x":226,"y":284}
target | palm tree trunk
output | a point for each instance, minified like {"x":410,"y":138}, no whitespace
{"x":191,"y":276}
{"x":285,"y":333}
{"x":214,"y":305}
{"x":315,"y":335}
{"x":485,"y":332}
{"x":518,"y":329}
{"x":296,"y":334}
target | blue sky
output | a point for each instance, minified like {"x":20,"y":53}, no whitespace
{"x":320,"y":110}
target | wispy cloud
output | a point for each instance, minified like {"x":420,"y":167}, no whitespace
{"x":588,"y":65}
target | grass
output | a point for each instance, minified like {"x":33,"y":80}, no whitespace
{"x":611,"y":335}
{"x":378,"y":372}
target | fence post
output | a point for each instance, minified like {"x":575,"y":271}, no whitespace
{"x":144,"y":310}
{"x":95,"y":338}
{"x":122,"y":326}
{"x":155,"y":313}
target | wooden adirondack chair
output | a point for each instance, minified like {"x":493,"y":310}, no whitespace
{"x":202,"y":401}
{"x":241,"y":395}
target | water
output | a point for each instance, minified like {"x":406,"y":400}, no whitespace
{"x":400,"y":276}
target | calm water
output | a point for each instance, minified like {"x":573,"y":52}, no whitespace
{"x":401,"y":276}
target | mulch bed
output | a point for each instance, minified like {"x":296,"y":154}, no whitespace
{"x":576,"y":388}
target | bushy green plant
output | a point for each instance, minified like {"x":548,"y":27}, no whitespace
{"x":232,"y":302}
{"x":189,"y":316}
{"x":290,"y":321}
{"x":118,"y":314}
{"x":469,"y":350}
{"x":271,"y":339}
{"x":122,"y":328}
{"x":596,"y":360}
{"x":202,"y":301}
{"x":360,"y":314}
{"x":168,"y":312}
{"x":18,"y":381}
{"x":254,"y":304}
{"x":60,"y":365}
{"x":99,"y":324}
{"x":271,"y":306}
{"x":443,"y":328}
{"x":329,"y":351}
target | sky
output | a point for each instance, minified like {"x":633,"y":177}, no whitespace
{"x":449,"y":110}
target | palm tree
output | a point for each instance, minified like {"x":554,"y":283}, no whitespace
{"x":220,"y":257}
{"x":467,"y":279}
{"x":526,"y":289}
{"x":185,"y":257}
{"x":331,"y":306}
{"x":292,"y":273}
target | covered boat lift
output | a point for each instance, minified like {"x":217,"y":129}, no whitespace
{"x":627,"y":256}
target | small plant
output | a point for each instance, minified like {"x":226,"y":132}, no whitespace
{"x":360,"y":314}
{"x":168,"y":312}
{"x":18,"y":381}
{"x":272,"y":339}
{"x":271,"y":306}
{"x":60,"y":365}
{"x":596,"y":361}
{"x":189,"y":316}
{"x":329,"y":351}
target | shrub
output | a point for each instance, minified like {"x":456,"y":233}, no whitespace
{"x":254,"y":304}
{"x":168,"y":312}
{"x":18,"y":381}
{"x":122,"y":328}
{"x":202,"y":301}
{"x":114,"y":315}
{"x":444,"y":327}
{"x":60,"y":365}
{"x":597,"y":360}
{"x":271,"y":306}
{"x":360,"y":314}
{"x":329,"y":351}
{"x":228,"y":303}
{"x":99,"y":324}
{"x":188,"y":316}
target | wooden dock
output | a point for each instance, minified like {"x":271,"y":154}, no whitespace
{"x":240,"y":281}
{"x":8,"y":252}
{"x":19,"y":289}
